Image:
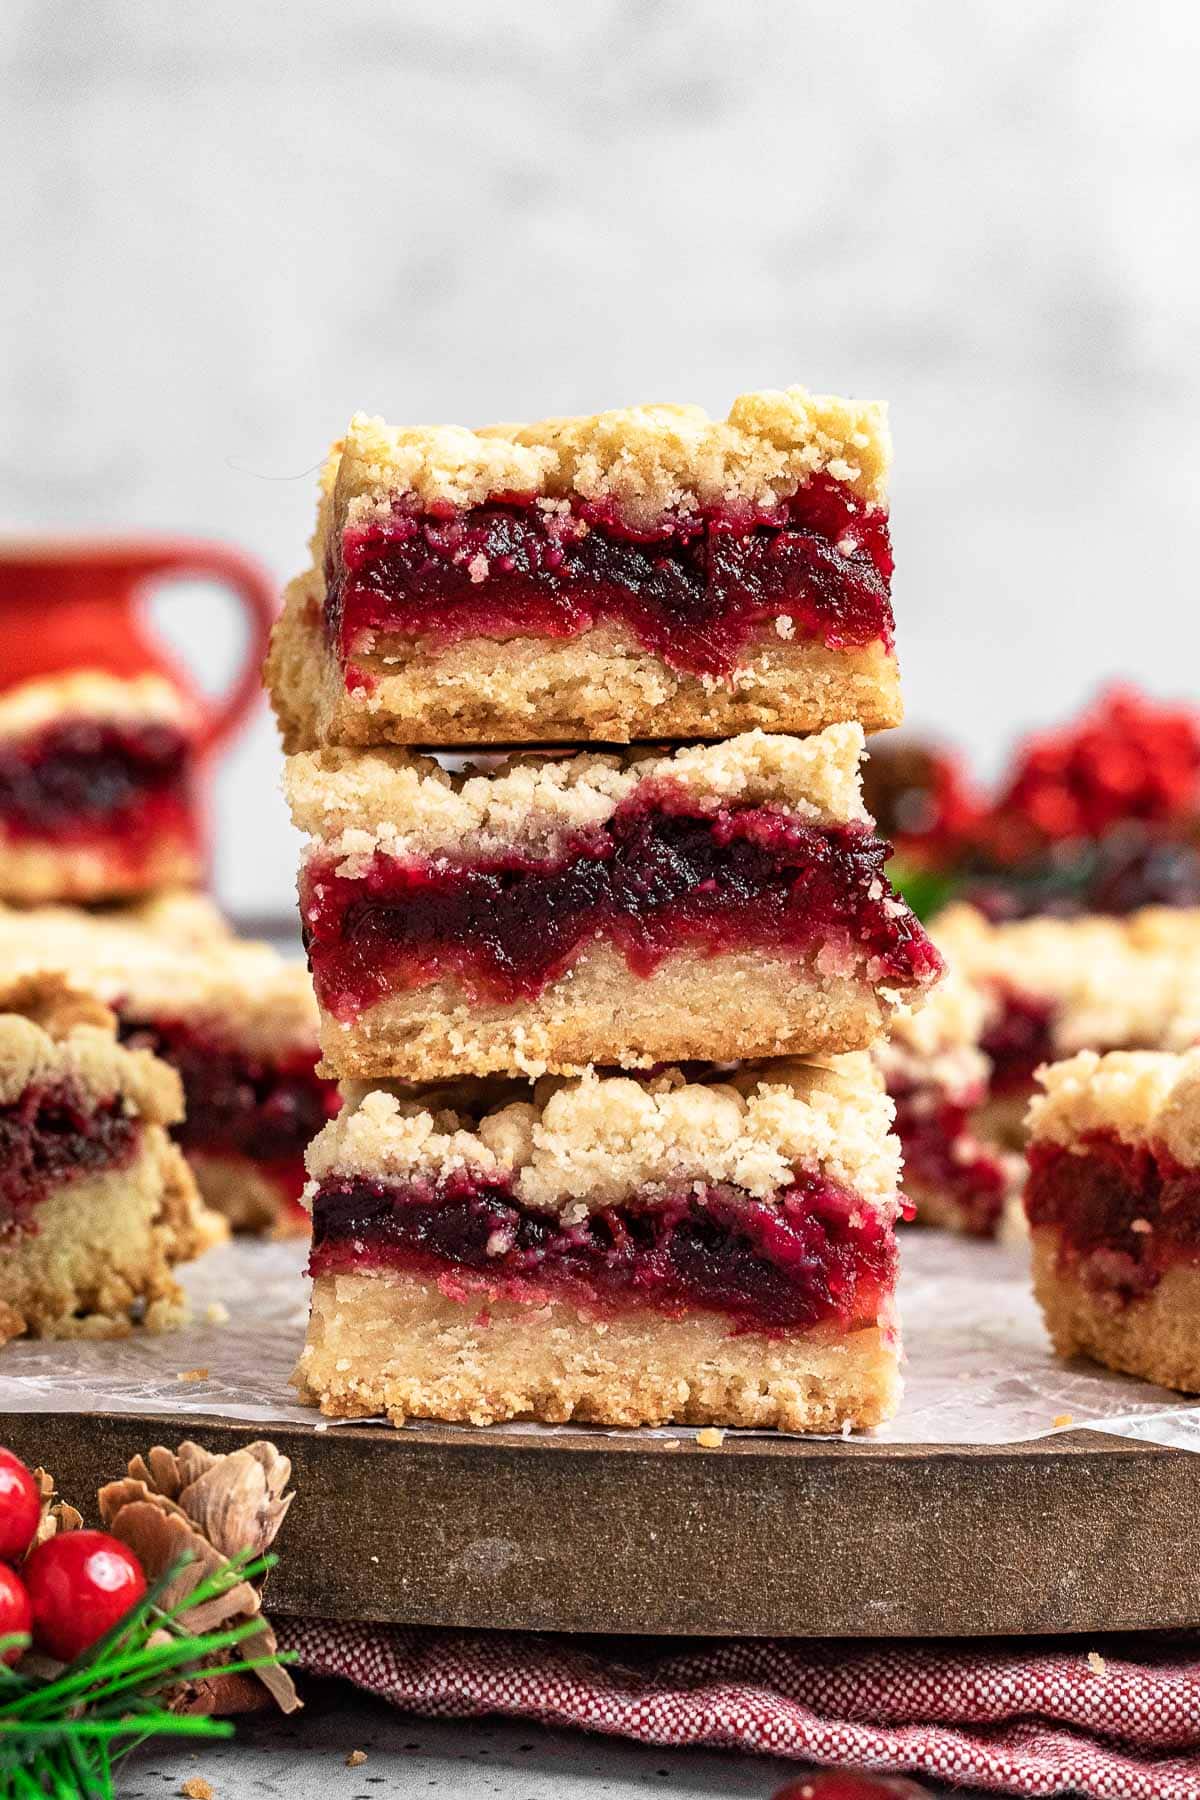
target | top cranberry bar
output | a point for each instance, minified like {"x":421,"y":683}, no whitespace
{"x":645,"y":573}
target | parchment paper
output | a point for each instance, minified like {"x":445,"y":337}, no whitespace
{"x":979,"y":1369}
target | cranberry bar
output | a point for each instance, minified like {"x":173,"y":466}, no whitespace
{"x":646,"y":573}
{"x":626,"y":1251}
{"x":1113,"y":1202}
{"x":95,"y":788}
{"x":235,"y":1020}
{"x":724,"y":902}
{"x":937,"y":1078}
{"x":97,"y":1205}
{"x":1054,"y":986}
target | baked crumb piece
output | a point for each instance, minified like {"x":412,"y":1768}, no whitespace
{"x":192,"y":1375}
{"x":99,"y":1205}
{"x":235,"y":1018}
{"x":356,"y":1759}
{"x":1113,"y":1203}
{"x":710,"y":1438}
{"x":1096,"y":1662}
{"x":196,"y":1788}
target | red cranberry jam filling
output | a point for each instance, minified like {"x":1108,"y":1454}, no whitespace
{"x":88,"y":776}
{"x":53,"y":1135}
{"x":657,"y":877}
{"x":694,"y":590}
{"x":815,"y":1256}
{"x":241,"y":1105}
{"x":941,"y":1154}
{"x":1124,"y":1213}
{"x":1018,"y":1041}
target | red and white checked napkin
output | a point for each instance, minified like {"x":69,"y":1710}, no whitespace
{"x":1117,"y":1721}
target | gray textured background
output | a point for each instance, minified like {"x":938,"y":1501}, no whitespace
{"x":225,"y":227}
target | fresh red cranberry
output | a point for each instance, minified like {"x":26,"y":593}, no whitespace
{"x":20,"y":1507}
{"x":16,"y":1613}
{"x":851,"y":1784}
{"x":81,"y":1584}
{"x":1125,"y":759}
{"x":920,"y":798}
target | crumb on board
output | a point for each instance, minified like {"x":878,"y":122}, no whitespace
{"x":1061,"y":1419}
{"x":217,"y":1313}
{"x":710,"y":1438}
{"x":196,"y":1788}
{"x":192,"y":1375}
{"x":356,"y":1759}
{"x":1096,"y":1662}
{"x":321,"y":1425}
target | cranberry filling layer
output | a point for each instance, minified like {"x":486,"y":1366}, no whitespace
{"x":85,"y":777}
{"x":53,"y":1135}
{"x":1018,"y":1041}
{"x":657,"y":877}
{"x":816,"y":1256}
{"x":694,"y":591}
{"x":941,"y":1154}
{"x":240,"y":1105}
{"x":1124,"y":1213}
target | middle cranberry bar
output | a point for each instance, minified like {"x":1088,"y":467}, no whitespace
{"x":546,"y":912}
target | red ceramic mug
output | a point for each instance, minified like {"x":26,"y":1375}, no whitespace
{"x":75,"y":603}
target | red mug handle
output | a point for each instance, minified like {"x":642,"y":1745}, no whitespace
{"x":252,"y":584}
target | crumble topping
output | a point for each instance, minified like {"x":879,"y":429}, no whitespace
{"x":51,"y":1032}
{"x":1109,"y":982}
{"x":358,"y":801}
{"x":647,"y":461}
{"x":1135,"y":1095}
{"x":579,"y":1145}
{"x":92,"y":694}
{"x":172,"y":959}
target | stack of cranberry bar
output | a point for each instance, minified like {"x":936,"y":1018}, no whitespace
{"x":597,"y":920}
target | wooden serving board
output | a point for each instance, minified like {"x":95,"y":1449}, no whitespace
{"x":587,"y":1532}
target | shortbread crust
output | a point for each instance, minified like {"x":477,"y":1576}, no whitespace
{"x":602,"y":685}
{"x":740,"y":1006}
{"x":396,"y":1346}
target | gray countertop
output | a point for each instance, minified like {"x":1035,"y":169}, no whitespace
{"x":305,"y":1759}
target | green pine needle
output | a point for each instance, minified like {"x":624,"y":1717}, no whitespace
{"x":61,"y":1739}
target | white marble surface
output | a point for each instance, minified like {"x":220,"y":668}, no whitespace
{"x":225,"y":227}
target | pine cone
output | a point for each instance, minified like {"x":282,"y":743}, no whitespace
{"x":209,"y":1508}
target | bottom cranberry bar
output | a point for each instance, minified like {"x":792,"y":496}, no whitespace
{"x":1113,"y":1201}
{"x":626,"y":1251}
{"x":97,"y":1205}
